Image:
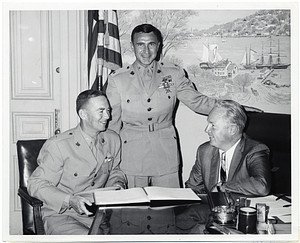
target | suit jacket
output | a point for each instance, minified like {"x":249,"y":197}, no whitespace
{"x":146,"y":116}
{"x":249,"y":172}
{"x":68,"y":166}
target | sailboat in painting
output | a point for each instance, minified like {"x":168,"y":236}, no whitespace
{"x":270,"y":63}
{"x":210,"y":56}
{"x":248,"y":61}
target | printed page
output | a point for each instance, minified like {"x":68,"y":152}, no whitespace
{"x":277,"y":208}
{"x":163,"y":193}
{"x":121,"y":197}
{"x":90,"y":193}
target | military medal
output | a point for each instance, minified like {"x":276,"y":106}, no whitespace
{"x":166,"y":83}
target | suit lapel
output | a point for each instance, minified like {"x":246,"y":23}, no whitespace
{"x":156,"y":78}
{"x":212,"y":176}
{"x":236,"y":158}
{"x":135,"y":77}
{"x":101,"y":150}
{"x":82,"y":148}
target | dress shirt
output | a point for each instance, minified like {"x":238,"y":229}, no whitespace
{"x":228,"y":157}
{"x":146,"y":75}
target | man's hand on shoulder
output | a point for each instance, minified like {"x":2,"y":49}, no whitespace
{"x":78,"y":204}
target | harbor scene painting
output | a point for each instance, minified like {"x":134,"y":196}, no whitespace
{"x":247,"y":59}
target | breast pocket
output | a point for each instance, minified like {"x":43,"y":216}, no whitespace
{"x":107,"y":164}
{"x":131,"y":105}
{"x":75,"y":173}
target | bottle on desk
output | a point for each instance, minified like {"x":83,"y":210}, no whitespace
{"x":262,"y":218}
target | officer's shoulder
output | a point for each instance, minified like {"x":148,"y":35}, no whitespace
{"x":120,"y":71}
{"x":62,"y":136}
{"x":166,"y":64}
{"x":110,"y":134}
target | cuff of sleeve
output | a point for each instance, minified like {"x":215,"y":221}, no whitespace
{"x":66,"y":204}
{"x":121,"y":184}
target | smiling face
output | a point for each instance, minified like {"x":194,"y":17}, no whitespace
{"x":220,"y":131}
{"x":95,"y":115}
{"x":145,"y":47}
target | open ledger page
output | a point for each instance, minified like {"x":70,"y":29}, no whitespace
{"x":121,"y":197}
{"x":152,"y":196}
{"x":163,"y":193}
{"x":90,"y":193}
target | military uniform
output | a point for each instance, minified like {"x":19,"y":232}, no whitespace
{"x":143,"y":116}
{"x":67,"y":166}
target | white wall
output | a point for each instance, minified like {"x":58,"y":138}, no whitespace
{"x":190,"y":126}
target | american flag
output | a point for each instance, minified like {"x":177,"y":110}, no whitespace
{"x":104,"y":51}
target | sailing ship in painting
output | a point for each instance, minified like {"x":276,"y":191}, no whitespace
{"x":210,"y":56}
{"x":270,"y":62}
{"x":213,"y":61}
{"x":249,"y":60}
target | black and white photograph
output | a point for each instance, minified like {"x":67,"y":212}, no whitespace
{"x":150,"y":121}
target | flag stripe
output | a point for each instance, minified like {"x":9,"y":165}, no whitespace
{"x":113,"y":43}
{"x":111,"y":59}
{"x":104,"y":50}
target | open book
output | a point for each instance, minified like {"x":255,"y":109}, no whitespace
{"x":146,"y":196}
{"x":90,"y":193}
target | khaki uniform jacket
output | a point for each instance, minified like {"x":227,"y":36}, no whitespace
{"x":249,"y":172}
{"x":144,"y":118}
{"x":68,"y":166}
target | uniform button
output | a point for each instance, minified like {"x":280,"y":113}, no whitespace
{"x":95,"y":175}
{"x":93,"y":184}
{"x":125,"y":141}
{"x":150,"y":119}
{"x":128,"y":101}
{"x":75,"y":174}
{"x":149,"y":109}
{"x":148,"y":217}
{"x":169,"y":97}
{"x":148,"y":100}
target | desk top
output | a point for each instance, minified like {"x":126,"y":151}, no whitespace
{"x":184,"y":219}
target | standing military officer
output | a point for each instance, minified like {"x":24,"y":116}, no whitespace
{"x":143,"y":97}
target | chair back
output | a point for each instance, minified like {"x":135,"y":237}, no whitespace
{"x":274,"y":130}
{"x":28,"y":151}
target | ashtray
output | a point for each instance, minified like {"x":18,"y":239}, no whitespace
{"x":224,"y":215}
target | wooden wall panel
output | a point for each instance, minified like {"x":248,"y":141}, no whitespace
{"x":31,"y":55}
{"x":27,"y":125}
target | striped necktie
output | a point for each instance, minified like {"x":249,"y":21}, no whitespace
{"x":223,"y":167}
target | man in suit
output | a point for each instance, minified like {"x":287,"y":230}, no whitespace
{"x":81,"y":159}
{"x":230,"y":160}
{"x":143,"y":98}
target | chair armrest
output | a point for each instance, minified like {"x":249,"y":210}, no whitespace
{"x":23,"y":193}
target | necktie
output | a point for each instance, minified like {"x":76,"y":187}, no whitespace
{"x":223,"y":167}
{"x":93,"y":147}
{"x":147,"y":72}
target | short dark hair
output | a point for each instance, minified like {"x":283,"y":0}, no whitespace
{"x":84,"y":97}
{"x":235,"y":113}
{"x":148,"y":28}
